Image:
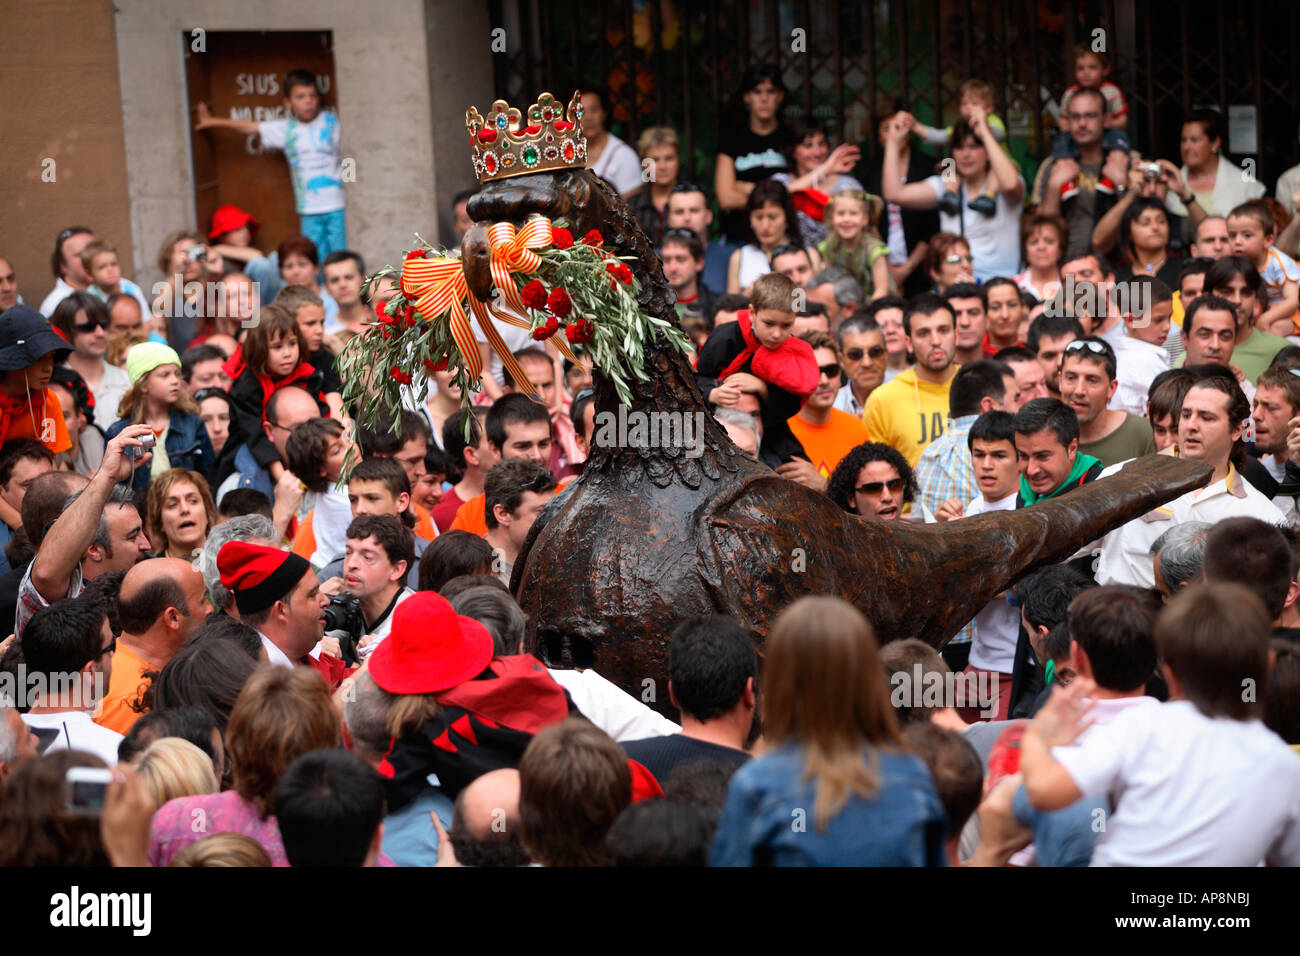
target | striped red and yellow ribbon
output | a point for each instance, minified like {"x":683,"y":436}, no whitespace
{"x":438,"y":286}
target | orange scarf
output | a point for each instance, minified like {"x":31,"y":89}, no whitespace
{"x":23,"y":418}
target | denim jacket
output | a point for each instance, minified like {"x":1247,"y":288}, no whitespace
{"x":768,"y":817}
{"x":187,"y":446}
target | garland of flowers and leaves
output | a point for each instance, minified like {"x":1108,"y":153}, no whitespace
{"x":579,"y":289}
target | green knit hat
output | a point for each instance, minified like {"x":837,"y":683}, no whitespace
{"x":147,"y":356}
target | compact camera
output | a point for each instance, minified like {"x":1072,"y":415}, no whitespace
{"x":146,"y":443}
{"x":1151,"y":171}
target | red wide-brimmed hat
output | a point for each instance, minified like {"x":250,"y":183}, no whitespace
{"x":258,"y":575}
{"x":229,"y":218}
{"x":430,"y":648}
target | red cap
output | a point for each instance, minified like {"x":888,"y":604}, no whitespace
{"x":229,"y":218}
{"x":258,"y":575}
{"x":430,"y":648}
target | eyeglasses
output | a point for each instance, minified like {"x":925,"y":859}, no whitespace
{"x":830,"y":371}
{"x":277,"y":425}
{"x":109,"y":648}
{"x":1078,"y":345}
{"x":855,"y":355}
{"x":955,"y":258}
{"x":895,"y":485}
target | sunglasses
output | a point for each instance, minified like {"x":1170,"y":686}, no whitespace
{"x":830,"y":371}
{"x":109,"y":649}
{"x":855,"y":355}
{"x":876,"y":487}
{"x":679,"y":233}
{"x":90,"y":326}
{"x":1078,"y":345}
{"x":953,"y":259}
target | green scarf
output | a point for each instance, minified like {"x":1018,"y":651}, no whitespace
{"x":1081,"y":464}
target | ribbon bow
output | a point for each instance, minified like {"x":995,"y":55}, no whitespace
{"x":438,"y":285}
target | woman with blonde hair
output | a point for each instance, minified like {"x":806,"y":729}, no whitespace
{"x":835,"y":787}
{"x":179,"y":513}
{"x":223,"y":849}
{"x":661,"y":161}
{"x":171,"y":767}
{"x":281,"y":714}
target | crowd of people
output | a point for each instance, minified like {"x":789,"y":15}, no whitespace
{"x":249,"y":611}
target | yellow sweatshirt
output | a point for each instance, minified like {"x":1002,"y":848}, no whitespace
{"x":907,"y":413}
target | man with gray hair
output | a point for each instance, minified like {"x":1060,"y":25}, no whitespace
{"x":836,"y":289}
{"x":1178,"y":555}
{"x":254,"y":528}
{"x":17,"y":742}
{"x":98,"y":532}
{"x":742,"y":428}
{"x":409,"y":839}
{"x":863,"y":358}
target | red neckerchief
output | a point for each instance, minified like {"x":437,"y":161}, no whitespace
{"x":9,"y":407}
{"x":235,"y":367}
{"x":790,"y":366}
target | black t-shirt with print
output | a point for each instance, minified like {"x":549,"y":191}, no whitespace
{"x":756,"y":158}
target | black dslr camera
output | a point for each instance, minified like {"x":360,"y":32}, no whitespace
{"x":343,"y":620}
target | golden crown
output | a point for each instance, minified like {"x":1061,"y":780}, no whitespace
{"x":504,"y":147}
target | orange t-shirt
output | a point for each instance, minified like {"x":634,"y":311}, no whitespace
{"x":826,"y":444}
{"x":304,"y":540}
{"x":42,"y":420}
{"x":472,"y":514}
{"x":424,"y":526}
{"x":124,"y":687}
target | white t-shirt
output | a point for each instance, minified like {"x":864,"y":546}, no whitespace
{"x":77,"y":731}
{"x":1137,"y":364}
{"x":108,"y":396}
{"x":619,"y":165}
{"x":1279,"y":269}
{"x":611,"y":708}
{"x":1232,"y":187}
{"x":515,"y":339}
{"x":994,"y":240}
{"x":60,"y":292}
{"x":1189,"y":790}
{"x":314,"y":165}
{"x":997,"y":625}
{"x":385,"y":626}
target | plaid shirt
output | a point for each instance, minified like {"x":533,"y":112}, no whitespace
{"x":944,"y":471}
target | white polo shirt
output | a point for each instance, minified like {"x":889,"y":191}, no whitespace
{"x":1126,"y":552}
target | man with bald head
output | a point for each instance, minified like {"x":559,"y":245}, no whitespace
{"x":286,"y":408}
{"x":485,"y":824}
{"x":161,"y":604}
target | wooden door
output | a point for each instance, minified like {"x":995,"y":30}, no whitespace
{"x":241,"y":75}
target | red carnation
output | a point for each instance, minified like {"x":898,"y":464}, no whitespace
{"x":593,"y":238}
{"x":534,"y":295}
{"x":544,"y":332}
{"x":433,"y":366}
{"x":620,"y":271}
{"x":410,"y":316}
{"x":561,"y":238}
{"x":400,"y":376}
{"x":580,"y":332}
{"x":414,"y":254}
{"x":559,"y":303}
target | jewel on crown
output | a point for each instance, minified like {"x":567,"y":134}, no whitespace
{"x":504,"y":146}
